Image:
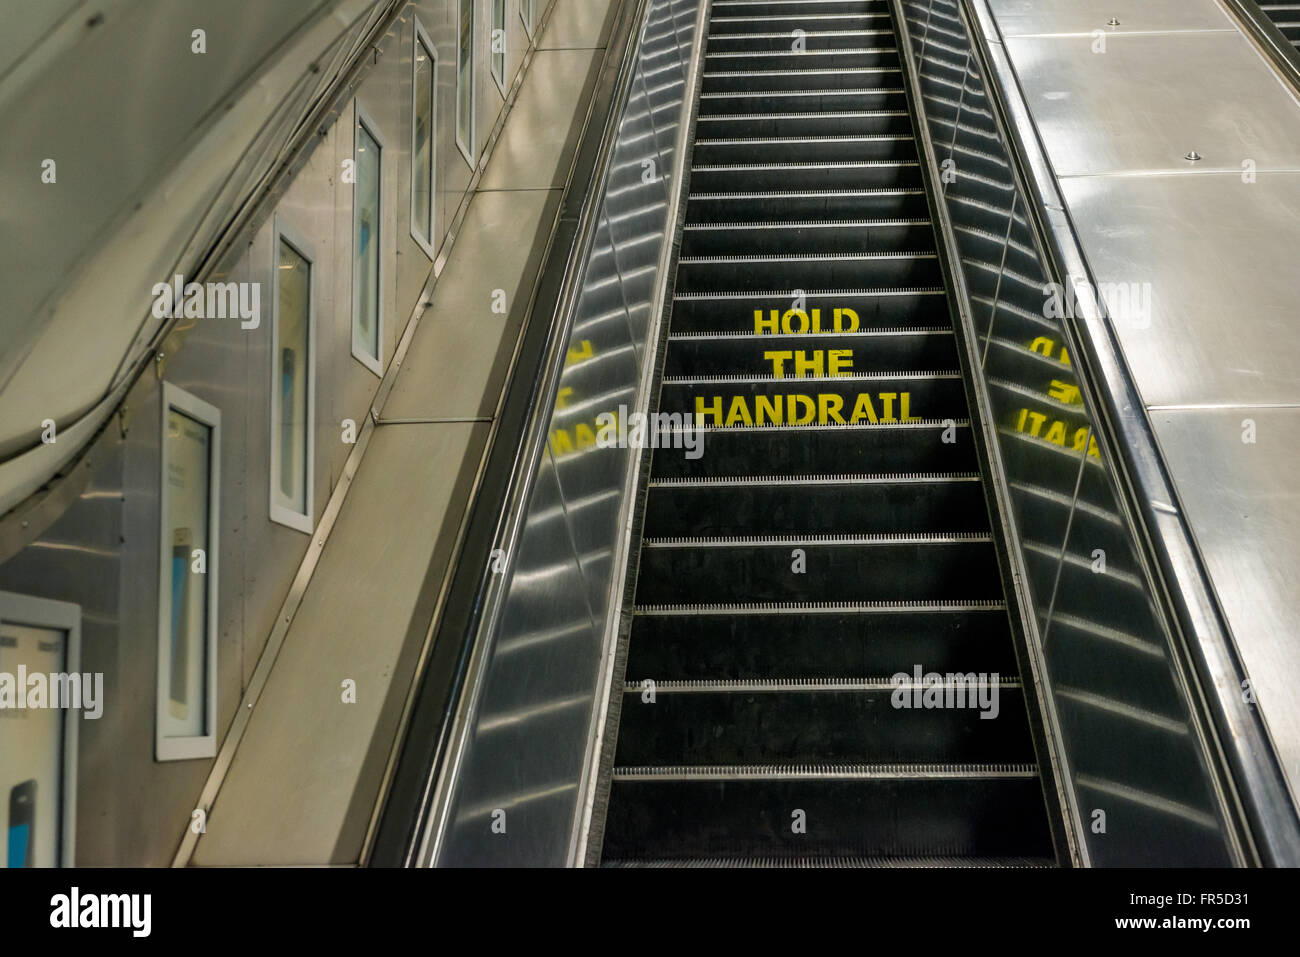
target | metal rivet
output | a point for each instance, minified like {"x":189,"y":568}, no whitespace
{"x":1193,"y":156}
{"x":1112,"y":22}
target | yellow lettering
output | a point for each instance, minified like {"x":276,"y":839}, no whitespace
{"x":583,"y":437}
{"x":797,"y":418}
{"x":762,"y":325}
{"x":562,"y":397}
{"x":905,"y":406}
{"x":778,"y":360}
{"x":788,"y":327}
{"x":583,"y":351}
{"x":715,"y":407}
{"x":768,"y":409}
{"x":1043,"y":346}
{"x":840,"y":315}
{"x":1063,"y":391}
{"x":803,"y":366}
{"x":828,"y":408}
{"x":887,"y":402}
{"x":862,"y":409}
{"x":560,"y":442}
{"x":739,"y":412}
{"x":1056,"y":433}
{"x":840,"y":362}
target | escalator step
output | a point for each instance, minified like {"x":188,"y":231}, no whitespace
{"x":766,"y":640}
{"x":802,"y":862}
{"x":959,"y":811}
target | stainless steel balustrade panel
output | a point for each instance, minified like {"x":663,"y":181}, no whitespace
{"x":1133,"y":760}
{"x":1222,"y":303}
{"x":520,"y":775}
{"x":1247,"y":522}
{"x":1139,"y":107}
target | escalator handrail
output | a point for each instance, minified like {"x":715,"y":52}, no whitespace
{"x":1187,"y":599}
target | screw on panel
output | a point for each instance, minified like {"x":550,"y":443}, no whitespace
{"x":1193,"y":156}
{"x":1112,"y":22}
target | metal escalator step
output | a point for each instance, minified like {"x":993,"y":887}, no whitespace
{"x":803,"y":122}
{"x":829,"y":862}
{"x":848,"y":174}
{"x":860,"y":54}
{"x":722,"y":79}
{"x":744,"y":23}
{"x":874,"y":309}
{"x":729,"y":8}
{"x":822,"y":721}
{"x":818,"y":639}
{"x":871,"y":818}
{"x":875,"y":350}
{"x":914,"y":567}
{"x":807,"y":270}
{"x":759,"y":399}
{"x":927,"y":446}
{"x":801,"y":204}
{"x":800,"y":41}
{"x":774,"y":505}
{"x":830,"y":147}
{"x":777,"y":101}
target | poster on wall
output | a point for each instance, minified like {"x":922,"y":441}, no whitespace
{"x":31,"y":751}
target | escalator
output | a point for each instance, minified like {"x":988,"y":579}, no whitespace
{"x":1286,"y":17}
{"x":808,"y":587}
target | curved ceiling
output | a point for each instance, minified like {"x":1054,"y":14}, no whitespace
{"x":151,"y":143}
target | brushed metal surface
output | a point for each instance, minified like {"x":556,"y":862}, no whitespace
{"x":1218,"y":259}
{"x":1029,"y":17}
{"x":1244,"y":502}
{"x":1149,"y":99}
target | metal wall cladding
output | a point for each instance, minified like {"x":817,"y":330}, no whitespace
{"x":102,"y":552}
{"x":1131,"y":750}
{"x":516,"y":800}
